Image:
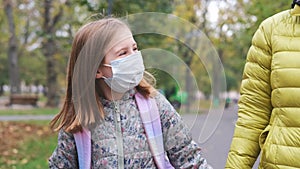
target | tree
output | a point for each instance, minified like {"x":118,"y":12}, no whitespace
{"x":4,"y":78}
{"x":49,"y":49}
{"x":3,"y":73}
{"x":123,"y":8}
{"x":12,"y":49}
{"x":196,"y":13}
{"x":236,"y":24}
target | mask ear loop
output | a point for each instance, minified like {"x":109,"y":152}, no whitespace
{"x":106,"y":65}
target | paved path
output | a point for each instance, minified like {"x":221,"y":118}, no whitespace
{"x":216,"y":138}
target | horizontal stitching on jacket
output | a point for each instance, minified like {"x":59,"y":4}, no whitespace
{"x":241,"y":154}
{"x":291,"y":50}
{"x":256,"y":47}
{"x":287,"y":165}
{"x":288,"y":127}
{"x":260,"y":65}
{"x":259,"y":80}
{"x":286,"y":87}
{"x":255,"y":141}
{"x":278,"y":164}
{"x":274,"y":144}
{"x":286,"y":107}
{"x":286,"y":68}
{"x":286,"y":36}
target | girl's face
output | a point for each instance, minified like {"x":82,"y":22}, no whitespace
{"x":122,"y":49}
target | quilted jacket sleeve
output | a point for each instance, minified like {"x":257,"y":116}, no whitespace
{"x":255,"y":102}
{"x":65,"y":154}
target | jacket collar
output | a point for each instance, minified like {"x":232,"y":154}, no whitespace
{"x":296,"y":10}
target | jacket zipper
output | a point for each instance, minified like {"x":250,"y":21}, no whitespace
{"x":119,"y":136}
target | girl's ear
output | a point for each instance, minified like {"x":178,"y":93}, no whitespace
{"x":99,"y":74}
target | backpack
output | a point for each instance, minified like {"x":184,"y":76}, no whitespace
{"x":151,"y":120}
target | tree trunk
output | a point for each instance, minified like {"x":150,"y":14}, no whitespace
{"x":12,"y":50}
{"x":1,"y":89}
{"x":216,"y":88}
{"x":49,"y":50}
{"x":52,"y":84}
{"x":188,"y":79}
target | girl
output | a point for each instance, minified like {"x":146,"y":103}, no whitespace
{"x":105,"y":72}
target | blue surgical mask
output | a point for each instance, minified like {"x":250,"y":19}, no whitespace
{"x":127,"y":72}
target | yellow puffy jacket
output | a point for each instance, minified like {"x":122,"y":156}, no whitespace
{"x":269,"y":106}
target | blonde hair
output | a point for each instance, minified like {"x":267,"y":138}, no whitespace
{"x":81,"y":107}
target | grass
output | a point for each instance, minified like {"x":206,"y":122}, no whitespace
{"x":33,"y":149}
{"x":39,"y":150}
{"x":33,"y":154}
{"x":33,"y":111}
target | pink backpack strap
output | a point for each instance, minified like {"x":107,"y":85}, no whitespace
{"x":151,"y":120}
{"x":83,"y":146}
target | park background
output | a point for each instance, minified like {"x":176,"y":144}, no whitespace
{"x":36,"y":37}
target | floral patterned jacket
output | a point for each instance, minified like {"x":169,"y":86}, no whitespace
{"x":181,"y":150}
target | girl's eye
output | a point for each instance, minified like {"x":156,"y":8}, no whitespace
{"x":122,"y":53}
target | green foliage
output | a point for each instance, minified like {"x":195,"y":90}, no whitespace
{"x":201,"y":75}
{"x":3,"y":69}
{"x":164,"y":80}
{"x":231,"y":34}
{"x":262,"y":9}
{"x":31,"y":145}
{"x":4,"y":79}
{"x":122,"y":8}
{"x":34,"y":153}
{"x":33,"y":68}
{"x":35,"y":111}
{"x":237,"y":22}
{"x":254,"y":12}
